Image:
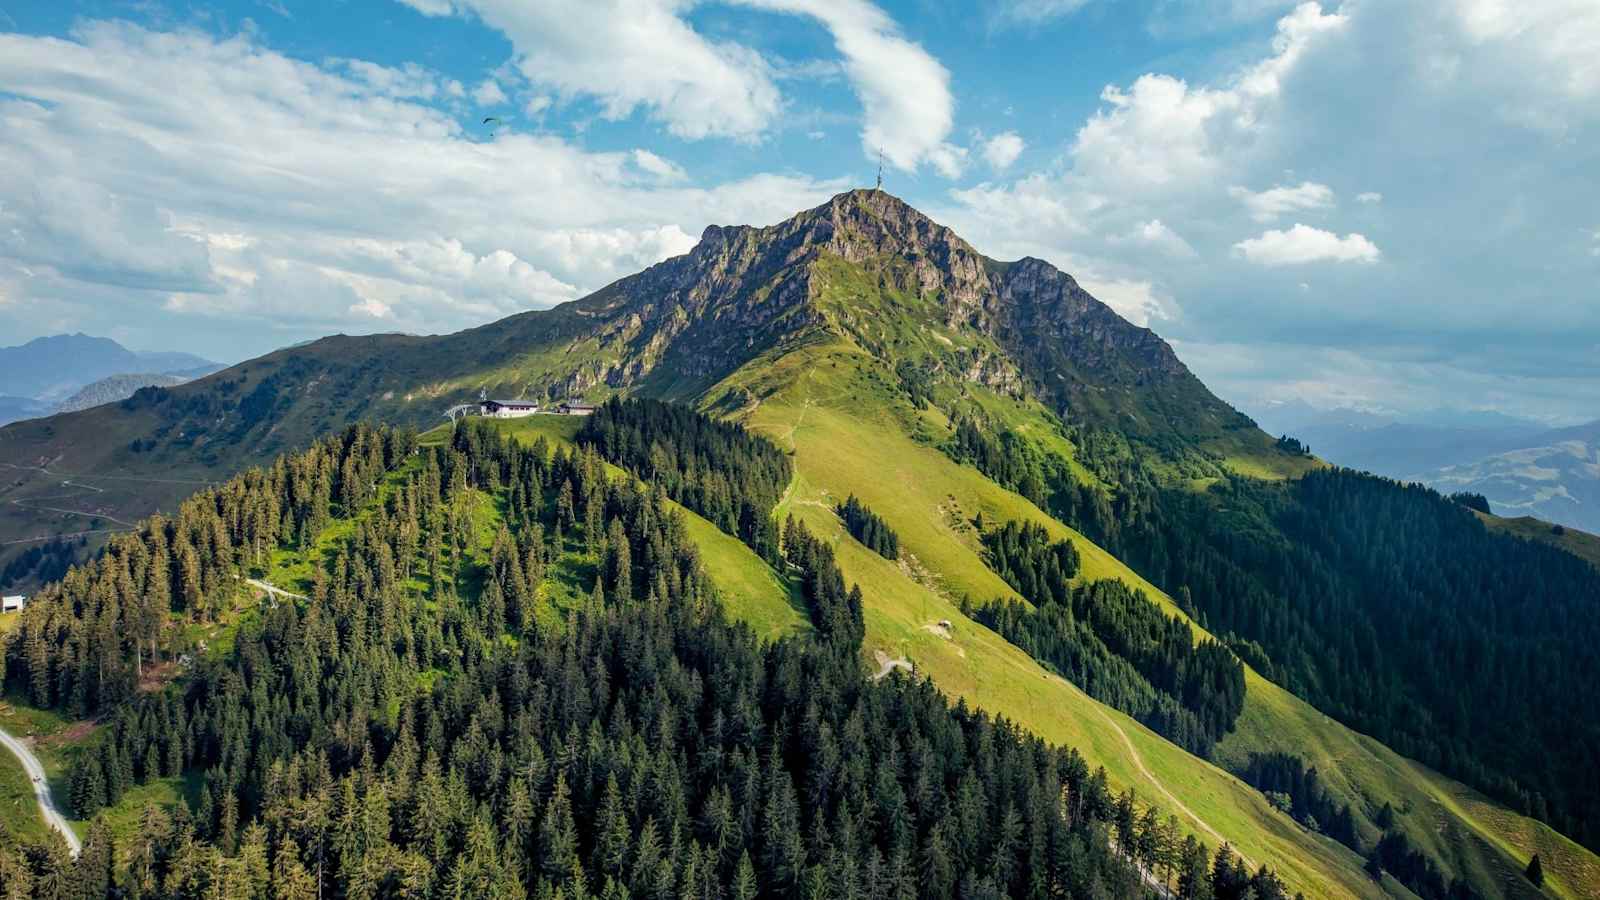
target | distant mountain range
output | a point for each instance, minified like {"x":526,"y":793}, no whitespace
{"x":68,"y":372}
{"x":1523,"y":467}
{"x":1555,"y":476}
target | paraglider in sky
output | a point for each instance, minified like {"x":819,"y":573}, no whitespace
{"x":496,"y":123}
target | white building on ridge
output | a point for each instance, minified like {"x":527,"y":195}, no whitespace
{"x":508,"y":409}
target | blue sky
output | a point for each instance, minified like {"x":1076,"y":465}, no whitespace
{"x":1386,"y":205}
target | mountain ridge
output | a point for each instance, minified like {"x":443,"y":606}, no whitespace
{"x":672,"y":330}
{"x":857,"y":335}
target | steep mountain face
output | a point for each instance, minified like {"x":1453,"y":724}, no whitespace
{"x":744,"y":289}
{"x":860,"y":337}
{"x":673,"y":330}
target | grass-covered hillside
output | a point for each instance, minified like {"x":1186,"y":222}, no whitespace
{"x":853,"y":432}
{"x":873,"y":355}
{"x":1581,"y":544}
{"x":433,"y":717}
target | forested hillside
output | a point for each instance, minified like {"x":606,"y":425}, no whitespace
{"x":932,"y":422}
{"x":417,"y":728}
{"x":1386,"y":605}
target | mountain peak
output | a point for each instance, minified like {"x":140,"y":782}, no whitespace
{"x":870,"y":222}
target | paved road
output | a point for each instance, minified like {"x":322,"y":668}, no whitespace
{"x":41,"y":789}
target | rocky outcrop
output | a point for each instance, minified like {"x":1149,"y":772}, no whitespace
{"x":742,"y":289}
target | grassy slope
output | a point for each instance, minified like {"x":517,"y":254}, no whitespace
{"x":809,"y":401}
{"x":930,"y":501}
{"x":1581,"y":544}
{"x":752,"y":590}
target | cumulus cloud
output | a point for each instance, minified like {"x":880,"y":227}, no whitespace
{"x":664,"y":169}
{"x":1003,"y":149}
{"x":488,"y":93}
{"x":1163,"y":134}
{"x":1303,"y":244}
{"x":1156,"y":235}
{"x":1136,"y":301}
{"x":274,"y":199}
{"x":1268,"y":205}
{"x":1465,"y":120}
{"x":632,"y":55}
{"x":905,"y":92}
{"x":90,"y":232}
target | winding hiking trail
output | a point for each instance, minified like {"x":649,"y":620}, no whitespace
{"x":41,"y":790}
{"x":87,"y":490}
{"x":1138,"y":761}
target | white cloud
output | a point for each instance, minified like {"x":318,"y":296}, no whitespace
{"x":273,"y":199}
{"x":636,"y":54}
{"x":1430,"y":93}
{"x":1304,"y":244}
{"x":905,"y":92}
{"x":1163,"y":135}
{"x":94,"y":233}
{"x":1156,"y":235}
{"x":631,"y":55}
{"x":431,"y":7}
{"x":663,"y":169}
{"x":1003,"y":149}
{"x":488,"y":93}
{"x":1135,"y":301}
{"x":372,"y":307}
{"x":1561,"y":35}
{"x":947,"y":159}
{"x":406,"y":82}
{"x":1269,"y":204}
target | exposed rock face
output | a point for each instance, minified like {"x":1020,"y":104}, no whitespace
{"x":672,"y":330}
{"x":680,"y":326}
{"x":743,"y":289}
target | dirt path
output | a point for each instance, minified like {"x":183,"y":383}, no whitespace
{"x":86,"y":490}
{"x":46,"y":470}
{"x":887,"y":665}
{"x":41,"y":790}
{"x":1133,"y":753}
{"x":275,"y":591}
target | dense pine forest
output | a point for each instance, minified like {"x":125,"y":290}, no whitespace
{"x":1386,"y":605}
{"x":426,"y":724}
{"x":717,"y":469}
{"x":1112,"y":641}
{"x":869,"y":528}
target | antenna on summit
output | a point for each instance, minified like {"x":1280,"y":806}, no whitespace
{"x":880,"y":169}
